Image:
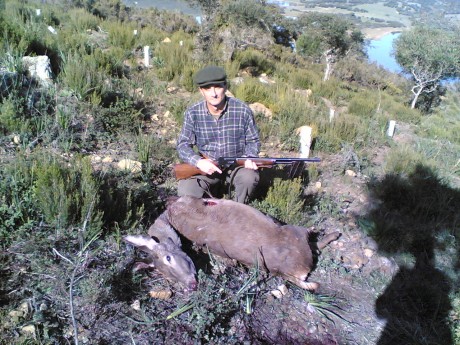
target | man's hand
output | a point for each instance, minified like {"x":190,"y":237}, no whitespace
{"x":249,"y":164}
{"x":207,"y":166}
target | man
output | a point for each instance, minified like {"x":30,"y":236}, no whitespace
{"x":218,"y":126}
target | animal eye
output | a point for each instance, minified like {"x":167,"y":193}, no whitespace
{"x":168,"y":258}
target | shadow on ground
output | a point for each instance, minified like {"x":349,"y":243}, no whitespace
{"x":416,"y":211}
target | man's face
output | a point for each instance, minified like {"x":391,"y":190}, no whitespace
{"x":214,"y":94}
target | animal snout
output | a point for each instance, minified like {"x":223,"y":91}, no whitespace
{"x":193,"y":285}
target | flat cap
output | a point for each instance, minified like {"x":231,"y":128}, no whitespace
{"x":210,"y":75}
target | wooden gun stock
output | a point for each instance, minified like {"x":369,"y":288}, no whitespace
{"x":184,"y":171}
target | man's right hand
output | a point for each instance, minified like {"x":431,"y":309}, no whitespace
{"x":207,"y":166}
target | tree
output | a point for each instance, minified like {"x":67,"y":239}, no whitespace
{"x":429,"y":55}
{"x":328,"y":37}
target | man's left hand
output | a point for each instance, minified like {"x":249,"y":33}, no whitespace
{"x":249,"y":164}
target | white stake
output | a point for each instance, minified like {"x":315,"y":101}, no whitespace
{"x":391,"y":128}
{"x":147,"y":56}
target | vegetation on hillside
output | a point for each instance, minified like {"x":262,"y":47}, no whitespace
{"x":65,"y":204}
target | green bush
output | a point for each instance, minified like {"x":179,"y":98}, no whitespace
{"x":364,"y":104}
{"x":255,"y":61}
{"x":80,"y":20}
{"x":172,"y":60}
{"x":80,"y":73}
{"x":67,"y":194}
{"x":121,"y":34}
{"x":343,"y":129}
{"x":402,"y":160}
{"x":283,"y":201}
{"x":252,"y":90}
{"x":19,"y":210}
{"x":120,"y":114}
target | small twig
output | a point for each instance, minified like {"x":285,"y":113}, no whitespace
{"x":62,"y":256}
{"x":72,"y":315}
{"x":41,"y":274}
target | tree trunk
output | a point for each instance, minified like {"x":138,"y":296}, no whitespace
{"x":416,"y":95}
{"x":330,"y":58}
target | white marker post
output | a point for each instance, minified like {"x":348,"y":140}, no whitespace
{"x":391,"y":128}
{"x":38,"y":12}
{"x":146,"y":56}
{"x":305,"y":140}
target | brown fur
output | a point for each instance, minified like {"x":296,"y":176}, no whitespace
{"x":237,"y":231}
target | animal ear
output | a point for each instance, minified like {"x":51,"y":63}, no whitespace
{"x":170,"y":244}
{"x":144,"y":243}
{"x":156,"y":239}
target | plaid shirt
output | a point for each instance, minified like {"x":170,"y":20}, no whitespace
{"x":233,"y":134}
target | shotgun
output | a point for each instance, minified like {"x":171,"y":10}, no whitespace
{"x":185,"y":170}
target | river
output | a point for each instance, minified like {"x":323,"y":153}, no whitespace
{"x":379,"y":51}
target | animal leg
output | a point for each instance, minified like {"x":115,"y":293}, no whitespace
{"x":310,"y":286}
{"x":328,"y":239}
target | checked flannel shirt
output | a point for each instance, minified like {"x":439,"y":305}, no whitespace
{"x":233,"y":134}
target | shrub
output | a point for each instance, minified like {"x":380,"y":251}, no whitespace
{"x":252,"y":91}
{"x":80,"y":20}
{"x":363,"y":104}
{"x":343,"y":129}
{"x":402,"y":160}
{"x":121,"y":34}
{"x":66,"y":195}
{"x":172,"y":60}
{"x":255,"y":61}
{"x":283,"y":201}
{"x":80,"y":73}
{"x":119,"y":114}
{"x":18,"y":207}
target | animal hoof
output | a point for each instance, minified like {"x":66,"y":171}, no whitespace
{"x":310,"y":286}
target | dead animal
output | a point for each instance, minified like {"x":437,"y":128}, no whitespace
{"x":237,"y":231}
{"x":163,"y":247}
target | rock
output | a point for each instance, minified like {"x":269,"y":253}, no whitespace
{"x":260,"y":108}
{"x":39,"y":67}
{"x":280,"y":291}
{"x":161,"y":294}
{"x":17,"y":139}
{"x":237,"y":81}
{"x":368,"y":253}
{"x":354,"y":260}
{"x":277,"y":293}
{"x":96,"y":159}
{"x":24,"y":307}
{"x":15,"y":315}
{"x":350,"y":173}
{"x":28,"y":330}
{"x":136,"y":305}
{"x":265,"y":80}
{"x":167,"y":40}
{"x":131,"y":165}
{"x":107,"y":159}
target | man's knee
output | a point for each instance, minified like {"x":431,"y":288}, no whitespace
{"x":189,"y":187}
{"x":247,"y":177}
{"x":196,"y":186}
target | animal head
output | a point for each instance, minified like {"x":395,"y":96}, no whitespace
{"x":167,"y":258}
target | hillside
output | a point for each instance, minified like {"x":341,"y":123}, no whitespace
{"x":87,"y":158}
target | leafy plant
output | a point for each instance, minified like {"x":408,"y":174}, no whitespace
{"x":325,"y":305}
{"x":283,"y":201}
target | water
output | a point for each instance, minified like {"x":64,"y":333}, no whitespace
{"x":380,"y":52}
{"x":170,"y":5}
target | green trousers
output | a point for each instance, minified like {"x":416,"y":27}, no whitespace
{"x":243,"y":181}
